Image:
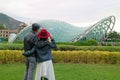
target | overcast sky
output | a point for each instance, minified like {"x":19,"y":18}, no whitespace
{"x":77,"y":12}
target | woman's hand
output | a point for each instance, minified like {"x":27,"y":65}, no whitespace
{"x":49,"y":39}
{"x":51,"y":36}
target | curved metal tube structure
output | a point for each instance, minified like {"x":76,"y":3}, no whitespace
{"x":64,"y":32}
{"x":98,"y":30}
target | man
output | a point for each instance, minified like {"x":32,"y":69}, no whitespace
{"x":29,"y":41}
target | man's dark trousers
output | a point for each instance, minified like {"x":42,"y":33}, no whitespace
{"x":30,"y":67}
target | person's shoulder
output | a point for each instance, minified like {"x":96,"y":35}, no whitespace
{"x":28,"y":34}
{"x":31,"y":34}
{"x":25,"y":36}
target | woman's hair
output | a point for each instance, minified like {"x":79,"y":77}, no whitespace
{"x":43,"y":39}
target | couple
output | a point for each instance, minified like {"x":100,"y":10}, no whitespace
{"x":37,"y":47}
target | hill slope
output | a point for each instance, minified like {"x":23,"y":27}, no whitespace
{"x":9,"y":21}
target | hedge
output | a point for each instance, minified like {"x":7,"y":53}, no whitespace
{"x":91,"y":48}
{"x":10,"y":56}
{"x":11,"y":46}
{"x":90,"y":42}
{"x":92,"y":57}
{"x":65,"y":47}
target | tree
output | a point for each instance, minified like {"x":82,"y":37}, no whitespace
{"x":2,"y":26}
{"x":113,"y":35}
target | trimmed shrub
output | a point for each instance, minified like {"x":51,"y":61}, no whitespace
{"x":92,"y":42}
{"x":91,"y":57}
{"x":10,"y":56}
{"x":11,"y":46}
{"x":65,"y":47}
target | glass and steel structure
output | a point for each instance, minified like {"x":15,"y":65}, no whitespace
{"x":64,"y":32}
{"x":97,"y":31}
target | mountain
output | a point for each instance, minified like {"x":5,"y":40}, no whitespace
{"x":11,"y":23}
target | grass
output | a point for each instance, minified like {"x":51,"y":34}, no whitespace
{"x":66,"y":71}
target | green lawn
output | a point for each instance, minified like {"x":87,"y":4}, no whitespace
{"x":66,"y":71}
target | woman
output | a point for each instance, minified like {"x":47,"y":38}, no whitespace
{"x":43,"y":46}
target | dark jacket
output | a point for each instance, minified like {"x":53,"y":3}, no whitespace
{"x":43,"y":50}
{"x":29,"y":41}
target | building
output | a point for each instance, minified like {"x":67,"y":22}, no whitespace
{"x":5,"y":32}
{"x":64,"y":32}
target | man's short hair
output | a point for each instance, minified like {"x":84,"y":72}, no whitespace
{"x":35,"y":26}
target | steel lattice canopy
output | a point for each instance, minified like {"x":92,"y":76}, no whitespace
{"x":64,"y":32}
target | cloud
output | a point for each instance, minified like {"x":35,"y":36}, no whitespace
{"x":73,"y":11}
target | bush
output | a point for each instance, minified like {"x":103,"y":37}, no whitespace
{"x":10,"y":56}
{"x":91,"y":48}
{"x":65,"y":47}
{"x":91,"y":57}
{"x":18,"y":42}
{"x":11,"y":46}
{"x":90,"y":42}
